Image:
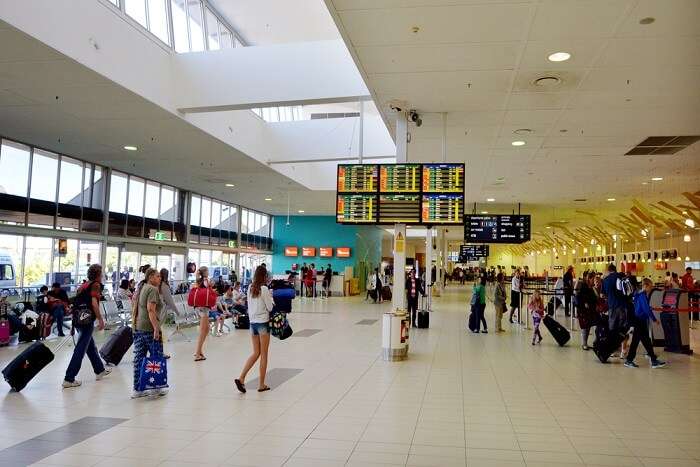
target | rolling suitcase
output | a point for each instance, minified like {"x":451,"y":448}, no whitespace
{"x":386,"y":293}
{"x":606,"y":342}
{"x":423,"y":319}
{"x":44,"y":324}
{"x":472,"y":321}
{"x":4,"y":332}
{"x":117,"y":345}
{"x":242,"y":321}
{"x":28,"y":364}
{"x":558,"y":332}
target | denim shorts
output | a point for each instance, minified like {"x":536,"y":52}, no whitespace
{"x":258,"y":329}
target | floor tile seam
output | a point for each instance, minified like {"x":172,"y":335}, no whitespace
{"x":461,"y":382}
{"x":330,"y":410}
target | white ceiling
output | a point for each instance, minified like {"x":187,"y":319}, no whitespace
{"x":265,"y":22}
{"x":51,"y":101}
{"x":476,"y":61}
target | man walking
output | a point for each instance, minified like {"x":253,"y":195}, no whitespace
{"x":640,"y":320}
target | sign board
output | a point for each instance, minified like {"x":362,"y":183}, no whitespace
{"x":291,"y":251}
{"x":308,"y":251}
{"x":472,"y":253}
{"x":325,"y":252}
{"x":62,"y":247}
{"x":342,"y":252}
{"x":232,"y":244}
{"x":505,"y":228}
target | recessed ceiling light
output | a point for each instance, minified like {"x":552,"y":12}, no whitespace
{"x":268,"y":199}
{"x":490,"y":200}
{"x":548,"y":227}
{"x":484,"y":212}
{"x":518,"y":143}
{"x":645,"y":183}
{"x":559,"y":57}
{"x":230,"y":185}
{"x":647,"y":20}
{"x":301,"y":211}
{"x":611,"y":199}
{"x":131,"y":148}
{"x":656,"y":179}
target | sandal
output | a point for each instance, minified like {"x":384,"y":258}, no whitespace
{"x":239,"y":385}
{"x":201,"y":358}
{"x":263,"y":389}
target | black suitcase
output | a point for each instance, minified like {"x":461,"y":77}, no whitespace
{"x":472,"y":321}
{"x":386,"y":293}
{"x":373,"y":294}
{"x":242,"y":321}
{"x":117,"y":345}
{"x":606,"y":342}
{"x":558,"y":332}
{"x":27,"y":365}
{"x":423,"y":319}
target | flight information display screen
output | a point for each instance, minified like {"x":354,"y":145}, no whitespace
{"x":399,"y":209}
{"x":443,"y":178}
{"x":358,"y":178}
{"x":506,"y":228}
{"x":472,"y":252}
{"x":442,"y":209}
{"x":356,"y":209}
{"x":399,"y":178}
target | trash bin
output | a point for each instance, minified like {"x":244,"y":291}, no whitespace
{"x":395,"y":336}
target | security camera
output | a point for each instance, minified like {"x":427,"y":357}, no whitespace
{"x":395,"y":108}
{"x":414,"y":117}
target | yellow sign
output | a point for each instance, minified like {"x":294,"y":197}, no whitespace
{"x":399,"y":243}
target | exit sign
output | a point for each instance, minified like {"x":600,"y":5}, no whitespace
{"x":232,"y":244}
{"x":160,"y":236}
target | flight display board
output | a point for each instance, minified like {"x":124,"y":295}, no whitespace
{"x":399,"y":178}
{"x":442,"y":209}
{"x":358,"y":178}
{"x":356,"y":209}
{"x":472,"y":252}
{"x":505,"y":228}
{"x":443,"y":178}
{"x":399,"y":209}
{"x":428,"y":194}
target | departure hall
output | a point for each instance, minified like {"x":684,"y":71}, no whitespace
{"x":366,"y":233}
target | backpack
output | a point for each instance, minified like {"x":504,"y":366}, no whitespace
{"x":475,"y":297}
{"x":624,"y":286}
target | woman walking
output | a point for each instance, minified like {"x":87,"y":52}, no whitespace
{"x":87,"y":304}
{"x":202,"y":282}
{"x":499,"y":301}
{"x":586,"y":307}
{"x":260,"y":304}
{"x":147,"y":325}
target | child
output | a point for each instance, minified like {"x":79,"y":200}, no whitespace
{"x":536,"y":308}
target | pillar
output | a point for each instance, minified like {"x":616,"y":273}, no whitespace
{"x":399,"y":250}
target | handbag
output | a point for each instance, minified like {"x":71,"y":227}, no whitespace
{"x":153,"y":373}
{"x":201,"y":297}
{"x":279,"y":326}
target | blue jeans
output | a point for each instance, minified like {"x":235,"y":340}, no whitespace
{"x":480,"y":319}
{"x":85,"y":345}
{"x":59,"y":312}
{"x":142,"y":342}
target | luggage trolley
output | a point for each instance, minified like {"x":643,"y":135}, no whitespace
{"x":675,"y":322}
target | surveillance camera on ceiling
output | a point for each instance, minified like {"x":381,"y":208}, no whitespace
{"x":414,"y":117}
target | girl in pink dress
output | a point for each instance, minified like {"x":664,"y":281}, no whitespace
{"x":536,"y":308}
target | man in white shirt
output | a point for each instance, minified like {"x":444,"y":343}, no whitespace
{"x":515,"y":287}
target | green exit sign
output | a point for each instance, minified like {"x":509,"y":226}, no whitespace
{"x":160,"y":236}
{"x":232,"y":244}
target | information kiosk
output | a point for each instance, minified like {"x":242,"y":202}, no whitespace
{"x":675,"y":321}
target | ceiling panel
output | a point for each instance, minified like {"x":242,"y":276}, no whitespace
{"x":577,"y":19}
{"x":583,"y":53}
{"x":672,"y":18}
{"x":648,"y":52}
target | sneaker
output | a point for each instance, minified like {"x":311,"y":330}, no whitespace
{"x":658,"y":364}
{"x":484,"y":331}
{"x":629,"y":364}
{"x":106,"y":372}
{"x":584,"y":347}
{"x":71,"y":384}
{"x":137,"y":394}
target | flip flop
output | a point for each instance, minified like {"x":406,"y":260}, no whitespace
{"x":239,"y":385}
{"x":201,"y":358}
{"x":266,"y":388}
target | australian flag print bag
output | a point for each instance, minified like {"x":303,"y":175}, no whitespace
{"x":154,"y":371}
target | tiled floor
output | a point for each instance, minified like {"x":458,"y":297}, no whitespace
{"x":463,"y":400}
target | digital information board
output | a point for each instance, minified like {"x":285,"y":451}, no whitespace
{"x":428,"y":194}
{"x":443,"y":178}
{"x":442,"y":209}
{"x":505,"y":228}
{"x":399,"y":209}
{"x":356,"y":178}
{"x":356,"y":209}
{"x":399,"y":178}
{"x":472,"y":252}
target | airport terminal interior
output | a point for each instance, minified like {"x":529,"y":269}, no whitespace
{"x":350,"y":232}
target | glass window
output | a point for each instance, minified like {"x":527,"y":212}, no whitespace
{"x":97,"y":189}
{"x":65,"y":265}
{"x":89,"y":254}
{"x":167,"y":203}
{"x":158,"y":19}
{"x":194,"y":10}
{"x":115,"y":3}
{"x":182,"y":42}
{"x":71,"y":181}
{"x":205,"y":258}
{"x":225,"y":37}
{"x":195,"y":210}
{"x":136,"y":188}
{"x":206,"y":212}
{"x":11,"y":260}
{"x":14,"y":167}
{"x":215,"y":215}
{"x":137,"y":10}
{"x":117,"y":193}
{"x":37,"y":256}
{"x":212,"y":30}
{"x":152,"y":195}
{"x":44,"y":175}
